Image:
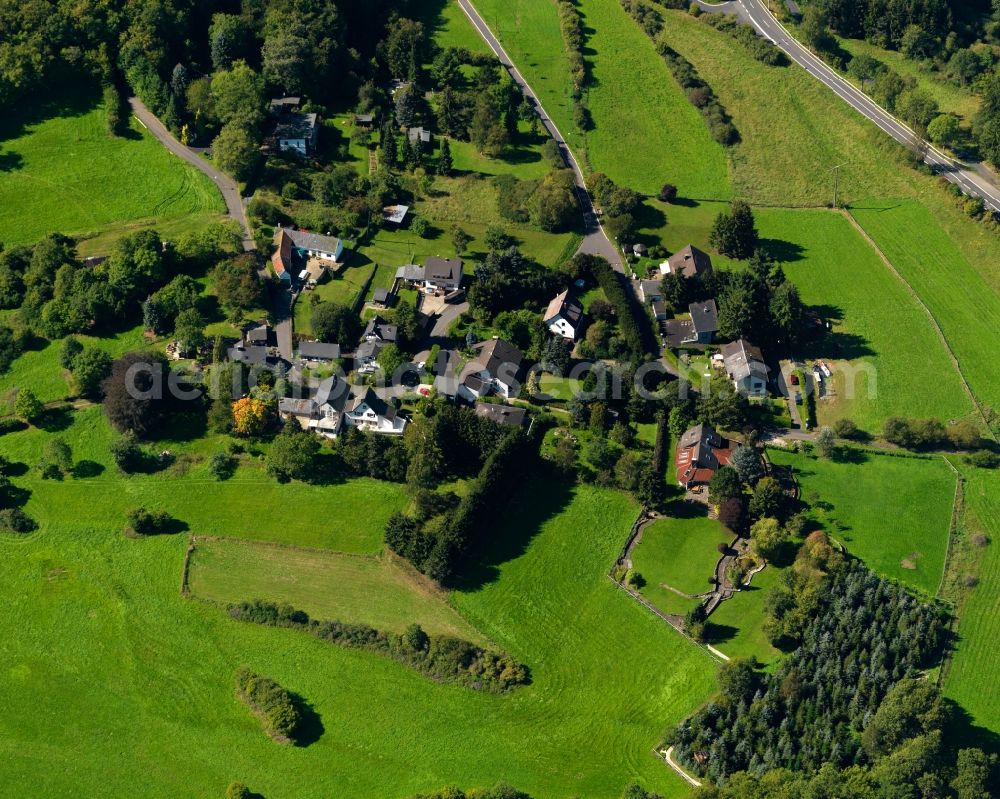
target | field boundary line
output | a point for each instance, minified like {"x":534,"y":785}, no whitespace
{"x":279,"y":545}
{"x":930,"y":315}
{"x":957,"y":506}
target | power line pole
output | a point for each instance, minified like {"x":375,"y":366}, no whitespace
{"x":836,"y":181}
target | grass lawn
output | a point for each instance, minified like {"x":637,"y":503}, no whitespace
{"x":679,"y":551}
{"x":965,"y":305}
{"x":836,"y":270}
{"x":850,"y":500}
{"x":40,"y":370}
{"x":383,"y":591}
{"x":449,"y":26}
{"x":523,"y":160}
{"x":96,"y":631}
{"x":62,"y":172}
{"x":736,"y":627}
{"x":973,"y":664}
{"x":343,"y":288}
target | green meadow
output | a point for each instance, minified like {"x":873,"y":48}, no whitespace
{"x":973,"y":664}
{"x":965,"y":305}
{"x":99,"y":633}
{"x":679,"y":551}
{"x":60,"y":171}
{"x":892,"y":512}
{"x":837,"y":271}
{"x":383,"y":591}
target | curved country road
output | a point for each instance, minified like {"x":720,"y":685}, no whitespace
{"x":280,"y":297}
{"x":595,"y":240}
{"x":974,"y":181}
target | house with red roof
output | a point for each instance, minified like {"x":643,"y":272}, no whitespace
{"x":701,"y":452}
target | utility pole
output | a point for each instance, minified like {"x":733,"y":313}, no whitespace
{"x":836,"y":181}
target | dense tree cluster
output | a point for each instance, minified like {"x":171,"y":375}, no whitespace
{"x":440,"y":657}
{"x":440,"y":544}
{"x":917,"y":27}
{"x":507,"y":281}
{"x":275,"y":706}
{"x":550,"y":203}
{"x":862,"y":640}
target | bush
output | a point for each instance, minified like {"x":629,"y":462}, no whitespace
{"x":984,"y":459}
{"x":420,"y":226}
{"x":237,"y":790}
{"x":15,"y":520}
{"x":144,"y":522}
{"x":128,"y":456}
{"x":668,"y":192}
{"x":221,"y":465}
{"x":845,"y":428}
{"x":273,"y":705}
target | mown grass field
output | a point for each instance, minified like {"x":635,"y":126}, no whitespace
{"x":449,"y":26}
{"x":60,"y":171}
{"x":973,"y":666}
{"x":875,"y":320}
{"x":645,"y":132}
{"x":736,"y":626}
{"x":382,"y":591}
{"x":892,"y":512}
{"x":964,"y":304}
{"x":680,"y":552}
{"x":97,"y":632}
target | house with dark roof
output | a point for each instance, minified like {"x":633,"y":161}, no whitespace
{"x":368,"y":411}
{"x":381,"y":331}
{"x":366,"y":356}
{"x":318,"y":351}
{"x":297,"y":133}
{"x":381,"y":298}
{"x":364,"y":120}
{"x":323,"y":412}
{"x":444,"y":274}
{"x":564,"y":316}
{"x":687,"y":262}
{"x":503,"y":414}
{"x":701,"y":452}
{"x":280,"y":106}
{"x":497,"y":368}
{"x":651,"y":291}
{"x":704,"y":320}
{"x":746,"y":368}
{"x":312,"y":245}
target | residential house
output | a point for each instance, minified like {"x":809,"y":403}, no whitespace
{"x":701,"y":452}
{"x":651,"y":291}
{"x":442,"y":274}
{"x":745,"y":367}
{"x":381,"y":298}
{"x":322,"y":413}
{"x":497,"y":368}
{"x":282,"y":258}
{"x":704,"y":321}
{"x":318,"y":351}
{"x":421,"y":135}
{"x":297,"y":133}
{"x":687,"y":262}
{"x":395,"y":214}
{"x":503,"y":414}
{"x":368,"y":411}
{"x":313,"y":245}
{"x":281,"y":106}
{"x":659,"y":310}
{"x":564,"y":316}
{"x":364,"y":120}
{"x":381,"y":331}
{"x":411,"y":275}
{"x":366,"y":356}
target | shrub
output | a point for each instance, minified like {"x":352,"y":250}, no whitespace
{"x":668,"y":192}
{"x":845,"y":428}
{"x":128,"y":456}
{"x":144,"y":522}
{"x":15,"y":520}
{"x":984,"y":459}
{"x":273,"y":705}
{"x":27,"y":407}
{"x":420,"y":226}
{"x":221,"y":465}
{"x":237,"y":790}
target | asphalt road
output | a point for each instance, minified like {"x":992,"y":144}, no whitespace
{"x":280,"y":296}
{"x":595,"y":241}
{"x":755,"y":12}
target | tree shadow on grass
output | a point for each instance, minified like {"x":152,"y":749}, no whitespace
{"x":10,"y":161}
{"x":53,"y":420}
{"x":782,"y":251}
{"x":310,"y":728}
{"x":85,"y":468}
{"x":543,"y":496}
{"x":685,"y":509}
{"x":720,"y":633}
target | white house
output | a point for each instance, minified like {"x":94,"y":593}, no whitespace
{"x":687,"y":262}
{"x":313,"y":245}
{"x":746,"y":368}
{"x":297,"y":133}
{"x":367,"y":411}
{"x":496,"y":369}
{"x":564,"y":316}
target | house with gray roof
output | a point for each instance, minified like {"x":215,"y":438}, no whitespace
{"x":704,"y":320}
{"x":318,"y":351}
{"x":746,"y":368}
{"x":687,"y":262}
{"x":368,"y":411}
{"x":503,"y":414}
{"x":564,"y":316}
{"x":297,"y":133}
{"x":497,"y":368}
{"x":313,"y":245}
{"x":443,"y":274}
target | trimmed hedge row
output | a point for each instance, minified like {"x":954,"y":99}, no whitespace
{"x":626,"y":314}
{"x":440,"y":553}
{"x":441,"y":658}
{"x":699,"y":93}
